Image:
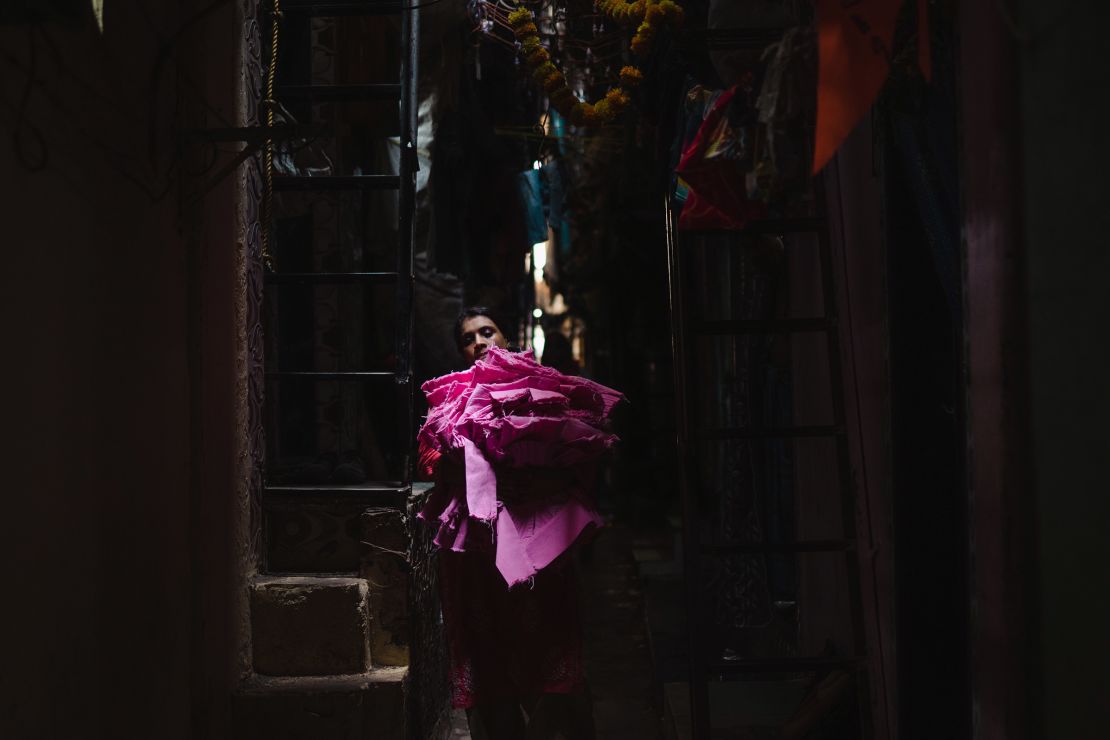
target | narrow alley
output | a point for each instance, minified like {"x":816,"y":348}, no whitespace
{"x":733,"y":368}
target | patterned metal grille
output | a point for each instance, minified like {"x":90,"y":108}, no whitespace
{"x":251,"y":227}
{"x":428,"y":688}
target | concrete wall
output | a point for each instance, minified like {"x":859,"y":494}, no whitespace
{"x":119,"y":371}
{"x":1065,"y":118}
{"x":1034,"y":169}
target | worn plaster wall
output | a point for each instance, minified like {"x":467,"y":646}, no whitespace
{"x":117,"y":308}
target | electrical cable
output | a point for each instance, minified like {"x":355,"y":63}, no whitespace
{"x":21,"y":122}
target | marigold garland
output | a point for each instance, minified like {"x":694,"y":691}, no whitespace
{"x":648,"y":14}
{"x":631,"y":77}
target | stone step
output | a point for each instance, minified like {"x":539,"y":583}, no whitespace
{"x":310,"y":626}
{"x":318,"y":529}
{"x":365,"y":706}
{"x":316,"y":538}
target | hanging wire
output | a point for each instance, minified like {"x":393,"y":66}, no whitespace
{"x":589,"y":61}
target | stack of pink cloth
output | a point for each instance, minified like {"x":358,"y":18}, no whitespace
{"x":527,"y":439}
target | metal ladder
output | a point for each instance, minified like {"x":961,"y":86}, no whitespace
{"x":705,"y":660}
{"x":294,"y":16}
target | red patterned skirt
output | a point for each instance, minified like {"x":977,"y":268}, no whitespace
{"x":510,"y":644}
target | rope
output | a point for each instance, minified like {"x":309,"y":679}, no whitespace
{"x":268,"y":163}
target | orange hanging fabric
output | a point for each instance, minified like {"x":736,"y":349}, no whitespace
{"x":853,"y":46}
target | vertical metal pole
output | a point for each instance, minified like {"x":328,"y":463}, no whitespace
{"x":410,"y":42}
{"x":843,"y":455}
{"x":691,"y":547}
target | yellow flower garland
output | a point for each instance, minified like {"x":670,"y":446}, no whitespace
{"x":649,"y":14}
{"x":646,"y":15}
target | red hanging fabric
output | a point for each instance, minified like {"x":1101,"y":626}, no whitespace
{"x":713,"y":167}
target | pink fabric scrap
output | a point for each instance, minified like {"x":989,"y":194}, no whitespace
{"x":528,"y":439}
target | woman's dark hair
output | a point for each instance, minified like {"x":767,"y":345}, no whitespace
{"x":469,"y":313}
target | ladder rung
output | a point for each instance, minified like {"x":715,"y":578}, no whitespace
{"x":389,"y":493}
{"x":770,"y":432}
{"x":327,"y":278}
{"x":760,"y":548}
{"x":772,"y":665}
{"x":341,"y":93}
{"x":339,"y":8}
{"x":279,"y":132}
{"x":338,"y":182}
{"x":799,"y":225}
{"x":762,"y":326}
{"x":329,"y":375}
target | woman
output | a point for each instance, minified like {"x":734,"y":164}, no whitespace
{"x":515,"y":652}
{"x":476,"y":332}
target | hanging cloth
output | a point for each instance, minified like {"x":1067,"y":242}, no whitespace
{"x":713,"y":168}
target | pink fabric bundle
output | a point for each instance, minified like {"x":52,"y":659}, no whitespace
{"x":527,"y":437}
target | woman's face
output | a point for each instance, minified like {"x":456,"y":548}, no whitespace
{"x":477,"y":335}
